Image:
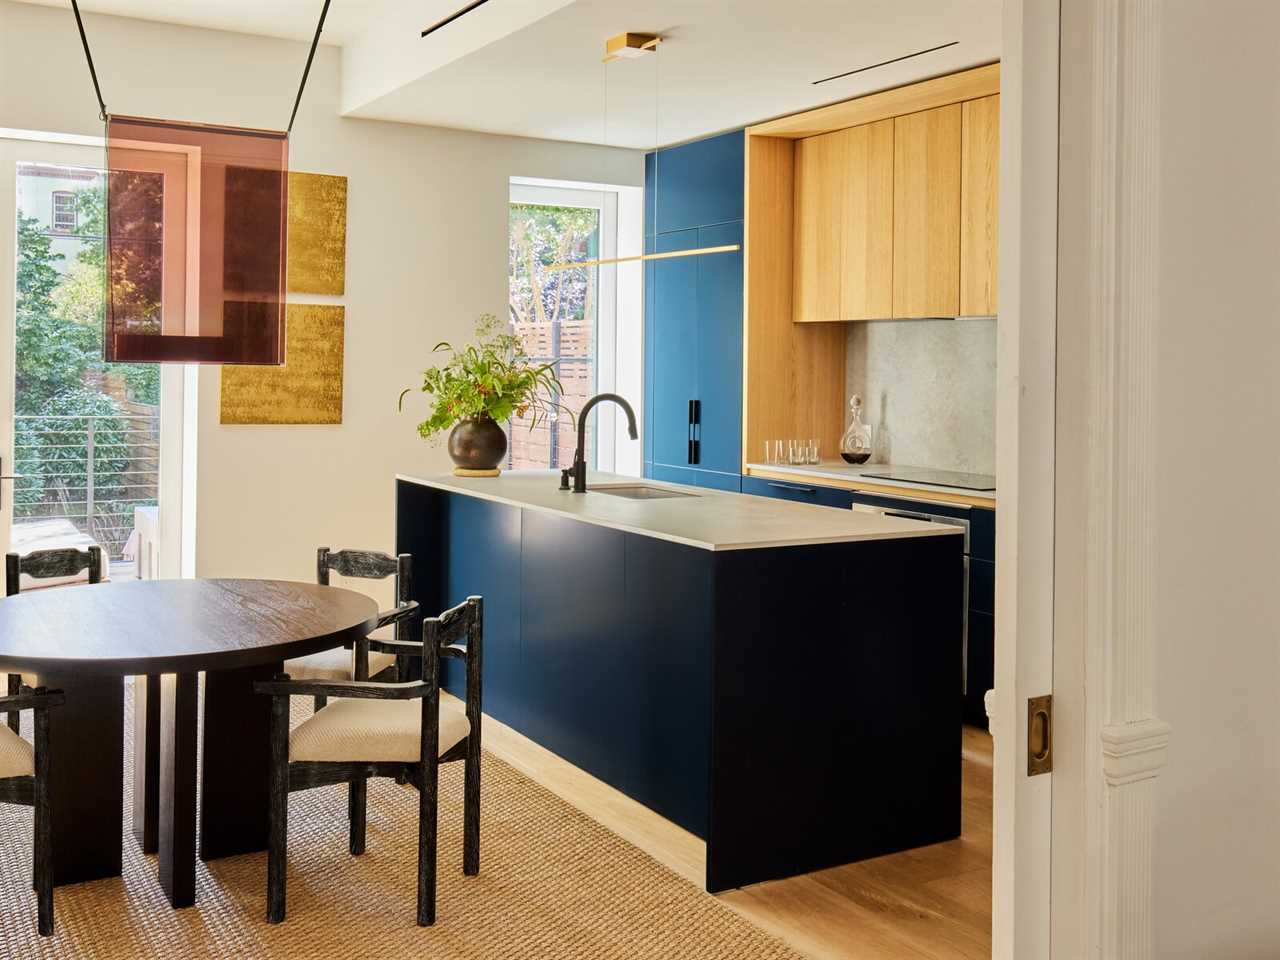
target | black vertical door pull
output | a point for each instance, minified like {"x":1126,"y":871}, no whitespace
{"x":695,"y":432}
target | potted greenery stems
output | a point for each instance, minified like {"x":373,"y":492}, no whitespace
{"x":480,"y":386}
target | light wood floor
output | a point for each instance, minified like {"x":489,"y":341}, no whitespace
{"x":934,"y":902}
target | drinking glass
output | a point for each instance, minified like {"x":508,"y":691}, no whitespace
{"x":813,"y":456}
{"x":779,"y":455}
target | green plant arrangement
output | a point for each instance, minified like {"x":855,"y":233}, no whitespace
{"x":482,"y":385}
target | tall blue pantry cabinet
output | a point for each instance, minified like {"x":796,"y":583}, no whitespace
{"x":693,"y":314}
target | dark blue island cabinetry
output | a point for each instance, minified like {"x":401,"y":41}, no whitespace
{"x":979,"y":625}
{"x":653,"y":663}
{"x":693,"y":314}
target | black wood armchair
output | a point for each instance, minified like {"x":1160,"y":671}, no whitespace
{"x":378,"y":730}
{"x":379,"y":665}
{"x":45,"y":565}
{"x":24,"y":780}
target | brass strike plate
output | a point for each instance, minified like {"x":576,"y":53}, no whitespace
{"x":1040,"y":735}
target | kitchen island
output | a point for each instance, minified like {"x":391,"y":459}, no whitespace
{"x":768,"y":675}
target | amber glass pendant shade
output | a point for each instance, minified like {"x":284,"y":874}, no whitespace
{"x":195,"y":238}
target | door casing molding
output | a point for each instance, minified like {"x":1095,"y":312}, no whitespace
{"x":1108,"y":282}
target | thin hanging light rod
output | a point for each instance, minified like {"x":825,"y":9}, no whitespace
{"x":671,"y":254}
{"x":315,"y":41}
{"x":97,"y":89}
{"x":84,"y":42}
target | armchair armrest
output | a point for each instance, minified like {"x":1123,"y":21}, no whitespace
{"x":30,"y":699}
{"x":359,"y":689}
{"x":406,"y":612}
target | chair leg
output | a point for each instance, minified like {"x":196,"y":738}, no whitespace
{"x":319,"y":704}
{"x":15,"y":686}
{"x":43,"y":857}
{"x":471,"y":813}
{"x":427,"y":846}
{"x":278,"y":811}
{"x":357,"y":797}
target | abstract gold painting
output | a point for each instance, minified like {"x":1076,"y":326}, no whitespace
{"x":308,"y":388}
{"x":317,"y":260}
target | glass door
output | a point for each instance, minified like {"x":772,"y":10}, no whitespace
{"x":81,"y":438}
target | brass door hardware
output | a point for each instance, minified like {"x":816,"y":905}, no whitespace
{"x":1040,"y":735}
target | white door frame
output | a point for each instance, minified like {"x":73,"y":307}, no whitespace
{"x":1112,"y":745}
{"x":177,"y":382}
{"x":1025,"y":424}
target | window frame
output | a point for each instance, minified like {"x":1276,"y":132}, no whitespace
{"x":67,"y":195}
{"x":605,"y":341}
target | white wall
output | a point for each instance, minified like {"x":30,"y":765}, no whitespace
{"x":1217,"y":827}
{"x":426,"y":254}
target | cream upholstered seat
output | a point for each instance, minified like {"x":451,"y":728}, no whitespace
{"x":373,"y":731}
{"x":17,"y":759}
{"x":336,"y":664}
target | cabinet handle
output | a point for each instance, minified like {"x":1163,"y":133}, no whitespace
{"x":695,"y":447}
{"x":792,"y":487}
{"x":695,"y":412}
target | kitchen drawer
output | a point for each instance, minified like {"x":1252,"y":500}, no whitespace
{"x":799,"y":492}
{"x":982,"y":586}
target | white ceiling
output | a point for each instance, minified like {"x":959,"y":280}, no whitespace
{"x":532,"y":67}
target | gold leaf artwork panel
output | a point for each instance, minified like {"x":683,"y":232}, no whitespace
{"x":317,"y":253}
{"x":307,"y":388}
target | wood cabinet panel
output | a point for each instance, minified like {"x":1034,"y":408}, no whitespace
{"x":866,"y":256}
{"x":844,"y":225}
{"x":821,"y":164}
{"x":926,"y":213}
{"x":979,"y":206}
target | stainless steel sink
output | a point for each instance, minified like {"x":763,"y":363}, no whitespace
{"x":640,"y":491}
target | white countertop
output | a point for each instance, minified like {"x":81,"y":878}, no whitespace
{"x":848,"y":471}
{"x":709,"y":519}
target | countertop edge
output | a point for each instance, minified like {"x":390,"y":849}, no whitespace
{"x":444,"y":485}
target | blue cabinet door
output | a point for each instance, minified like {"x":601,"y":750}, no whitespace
{"x":720,"y":351}
{"x":674,"y":342}
{"x":699,"y":183}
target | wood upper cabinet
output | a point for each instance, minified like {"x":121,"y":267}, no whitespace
{"x":926,"y":213}
{"x":844,"y":224}
{"x":819,"y":201}
{"x":979,"y":206}
{"x":866,"y":256}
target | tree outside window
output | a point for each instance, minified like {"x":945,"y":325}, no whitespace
{"x":555,"y":315}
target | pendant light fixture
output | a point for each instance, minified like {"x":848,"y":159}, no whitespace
{"x":630,"y":46}
{"x":195,"y":235}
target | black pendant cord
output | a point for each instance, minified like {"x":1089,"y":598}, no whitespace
{"x":84,"y":40}
{"x":315,"y":41}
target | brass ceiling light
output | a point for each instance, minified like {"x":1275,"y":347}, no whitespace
{"x":629,"y":46}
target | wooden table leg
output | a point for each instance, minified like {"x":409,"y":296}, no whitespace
{"x":146,"y":762}
{"x":177,"y":841}
{"x":237,"y":761}
{"x":86,"y":766}
{"x":86,"y":772}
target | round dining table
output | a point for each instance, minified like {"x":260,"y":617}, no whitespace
{"x":86,"y":639}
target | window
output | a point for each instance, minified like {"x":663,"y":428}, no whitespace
{"x":64,"y":212}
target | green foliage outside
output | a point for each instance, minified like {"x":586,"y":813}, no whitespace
{"x":540,"y":235}
{"x":59,"y":324}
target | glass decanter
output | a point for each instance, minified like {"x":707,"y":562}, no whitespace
{"x":855,"y":445}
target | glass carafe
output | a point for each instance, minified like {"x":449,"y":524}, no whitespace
{"x":855,"y":445}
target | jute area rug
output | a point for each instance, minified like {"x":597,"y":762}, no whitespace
{"x":553,"y":884}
